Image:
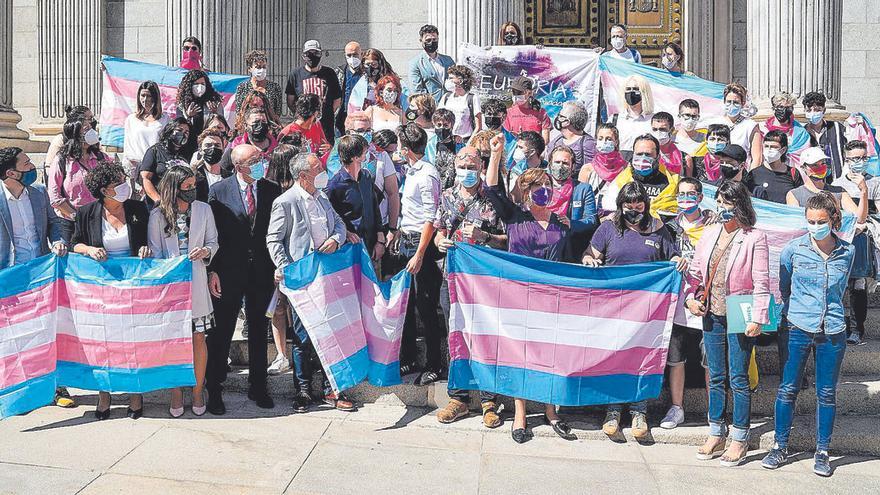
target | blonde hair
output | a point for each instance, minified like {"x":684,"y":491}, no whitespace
{"x":645,"y":87}
{"x":525,"y":181}
{"x":423,"y":102}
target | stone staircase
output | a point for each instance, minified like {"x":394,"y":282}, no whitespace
{"x":857,"y":430}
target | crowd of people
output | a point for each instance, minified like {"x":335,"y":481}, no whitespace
{"x":411,"y":179}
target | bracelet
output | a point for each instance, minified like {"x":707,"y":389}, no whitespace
{"x":381,"y":242}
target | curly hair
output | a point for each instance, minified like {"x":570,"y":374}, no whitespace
{"x":255,"y":56}
{"x":464,"y":73}
{"x":185,"y":95}
{"x":212,"y":133}
{"x":103,"y":175}
{"x":423,"y":103}
{"x":8,"y":159}
{"x":246,"y":106}
{"x":383,"y":83}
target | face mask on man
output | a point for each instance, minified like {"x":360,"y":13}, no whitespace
{"x":729,"y":171}
{"x":27,"y":178}
{"x":618,"y":42}
{"x":662,"y":136}
{"x":260,"y":73}
{"x":815,"y":117}
{"x":212,"y":155}
{"x":819,"y":231}
{"x":856,"y":165}
{"x":782,"y":114}
{"x":353,"y":61}
{"x":430,"y":46}
{"x":321,"y":180}
{"x":772,"y":154}
{"x":449,"y":85}
{"x":312,"y":59}
{"x":258,"y":170}
{"x":259,"y":130}
{"x":519,"y":155}
{"x":493,"y":122}
{"x":689,"y":123}
{"x":467,"y":178}
{"x":643,"y":164}
{"x":817,"y":171}
{"x":715,"y":145}
{"x":199,"y":90}
{"x":560,"y":122}
{"x":444,"y":134}
{"x":633,"y":97}
{"x":688,"y":202}
{"x":732,"y":109}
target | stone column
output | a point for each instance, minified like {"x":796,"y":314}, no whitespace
{"x":10,"y":134}
{"x":473,"y":21}
{"x":708,"y":40}
{"x":793,"y":46}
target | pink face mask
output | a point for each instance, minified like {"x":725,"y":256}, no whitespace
{"x":190,"y":60}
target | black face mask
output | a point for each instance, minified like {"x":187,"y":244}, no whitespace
{"x":212,"y":155}
{"x":782,"y":114}
{"x":178,"y":138}
{"x":729,"y":172}
{"x":633,"y":217}
{"x":371,"y":72}
{"x":430,"y":46}
{"x":511,"y":39}
{"x":443,"y":134}
{"x":187,"y":196}
{"x":259,"y":130}
{"x":558,"y":124}
{"x":632,"y":98}
{"x":412,"y":114}
{"x":312,"y":59}
{"x":493,"y":122}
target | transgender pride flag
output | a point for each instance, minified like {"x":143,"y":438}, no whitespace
{"x":354,"y":321}
{"x":558,"y":333}
{"x":122,"y":325}
{"x":667,"y":88}
{"x":121,"y":80}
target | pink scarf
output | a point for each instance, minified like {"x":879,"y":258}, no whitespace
{"x":772,"y":125}
{"x":670,"y":157}
{"x":561,"y":198}
{"x":608,"y":165}
{"x":712,"y":164}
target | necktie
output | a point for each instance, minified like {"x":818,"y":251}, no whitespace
{"x":251,"y":203}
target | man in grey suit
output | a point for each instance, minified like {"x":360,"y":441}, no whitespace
{"x":29,"y":227}
{"x":427,"y":71}
{"x":303,"y":221}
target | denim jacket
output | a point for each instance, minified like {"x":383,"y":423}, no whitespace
{"x":812,"y":287}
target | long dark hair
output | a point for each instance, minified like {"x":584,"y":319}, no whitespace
{"x":153,"y":88}
{"x":72,"y":147}
{"x":169,"y":190}
{"x":632,"y":192}
{"x":185,"y":95}
{"x":384,"y":67}
{"x":735,"y":193}
{"x":279,"y":165}
{"x":168,"y":130}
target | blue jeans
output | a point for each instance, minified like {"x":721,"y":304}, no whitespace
{"x":828,"y":352}
{"x":634,"y":407}
{"x":303,"y":357}
{"x":728,"y":355}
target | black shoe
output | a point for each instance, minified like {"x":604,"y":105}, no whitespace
{"x":520,"y":435}
{"x":134,"y":414}
{"x":301,"y":402}
{"x":102,"y":415}
{"x":561,"y":428}
{"x":215,"y":404}
{"x":262,"y":399}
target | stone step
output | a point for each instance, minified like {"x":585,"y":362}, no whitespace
{"x":856,"y":395}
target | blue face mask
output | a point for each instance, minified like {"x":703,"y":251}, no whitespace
{"x":28,"y":178}
{"x":715,"y":146}
{"x":643,"y":165}
{"x":725,"y":214}
{"x":467,"y":178}
{"x":819,"y":231}
{"x":258,"y":170}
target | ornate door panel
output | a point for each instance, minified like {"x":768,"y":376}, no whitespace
{"x":650,"y":23}
{"x":563,"y":22}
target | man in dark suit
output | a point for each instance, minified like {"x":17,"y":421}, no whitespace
{"x":242,"y":270}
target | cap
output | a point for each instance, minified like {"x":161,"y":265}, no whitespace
{"x":312,"y":45}
{"x":522,"y":83}
{"x":813,"y":155}
{"x":733,"y":151}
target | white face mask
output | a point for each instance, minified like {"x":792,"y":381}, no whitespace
{"x":772,"y":154}
{"x":353,"y":61}
{"x":519,"y":155}
{"x":618,"y":43}
{"x":122,"y":192}
{"x":259,"y":74}
{"x":321,"y":180}
{"x":662,"y":136}
{"x":449,"y":85}
{"x":689,"y":124}
{"x":199,"y":90}
{"x":604,"y":146}
{"x":669,"y":62}
{"x":91,"y":137}
{"x":389,"y":96}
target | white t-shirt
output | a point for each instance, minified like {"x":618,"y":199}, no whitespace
{"x":631,"y":127}
{"x":140,"y":135}
{"x":740,"y":134}
{"x":464,"y":120}
{"x":687,"y":145}
{"x":115,"y":241}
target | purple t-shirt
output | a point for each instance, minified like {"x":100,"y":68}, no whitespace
{"x":633,"y":247}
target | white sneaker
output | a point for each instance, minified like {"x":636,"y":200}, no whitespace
{"x":673,"y":418}
{"x":279,"y":365}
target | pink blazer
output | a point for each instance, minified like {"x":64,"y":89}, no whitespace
{"x":748,"y":267}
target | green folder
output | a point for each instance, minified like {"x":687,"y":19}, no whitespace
{"x":739,"y":313}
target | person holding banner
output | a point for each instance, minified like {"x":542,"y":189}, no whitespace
{"x":570,"y":124}
{"x":112,"y":226}
{"x":631,"y":236}
{"x":180,"y":225}
{"x":142,"y":128}
{"x":197,"y":100}
{"x":672,"y":58}
{"x":241,"y":205}
{"x":509,"y":34}
{"x":813,"y":274}
{"x":466,"y":215}
{"x":618,"y":46}
{"x":773,"y":179}
{"x":191,"y":56}
{"x":815,"y":162}
{"x":606,"y":165}
{"x":638,"y":104}
{"x":172,"y":140}
{"x":526,"y":113}
{"x":533,"y":230}
{"x":731,"y":259}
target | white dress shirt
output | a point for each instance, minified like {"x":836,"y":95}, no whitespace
{"x":24,"y":229}
{"x":317,"y":217}
{"x":242,"y":189}
{"x":420,"y":198}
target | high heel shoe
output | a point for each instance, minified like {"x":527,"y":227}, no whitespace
{"x":175,"y":412}
{"x":102,"y":415}
{"x":134,"y":414}
{"x":200,"y":410}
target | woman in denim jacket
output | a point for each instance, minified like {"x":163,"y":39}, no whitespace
{"x":813,"y":274}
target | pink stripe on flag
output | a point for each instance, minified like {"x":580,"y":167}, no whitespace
{"x":127,"y":355}
{"x":666,"y":98}
{"x":558,"y":359}
{"x":630,"y":305}
{"x":125,"y":300}
{"x":341,"y":344}
{"x":28,"y":364}
{"x":27,"y":305}
{"x":333,"y":286}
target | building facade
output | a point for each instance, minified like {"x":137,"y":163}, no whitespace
{"x":51,"y":51}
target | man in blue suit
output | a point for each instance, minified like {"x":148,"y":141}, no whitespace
{"x":427,"y":72}
{"x":29,"y":227}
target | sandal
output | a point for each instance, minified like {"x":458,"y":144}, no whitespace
{"x":730,"y":462}
{"x":716,"y":451}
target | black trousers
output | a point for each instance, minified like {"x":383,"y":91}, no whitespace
{"x":256,"y":297}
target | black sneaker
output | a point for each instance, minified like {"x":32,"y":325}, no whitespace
{"x":261,"y":397}
{"x":822,"y":464}
{"x":301,"y":402}
{"x":775,"y":458}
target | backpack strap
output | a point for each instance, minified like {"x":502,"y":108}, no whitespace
{"x":470,"y":105}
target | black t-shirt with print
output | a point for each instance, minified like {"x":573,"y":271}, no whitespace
{"x":323,"y":83}
{"x":764,"y":183}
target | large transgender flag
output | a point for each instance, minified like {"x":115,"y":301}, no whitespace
{"x":121,"y":80}
{"x":354,"y":320}
{"x":124,"y":325}
{"x":558,"y":333}
{"x":667,"y":88}
{"x":781,"y":223}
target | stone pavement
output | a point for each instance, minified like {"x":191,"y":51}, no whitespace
{"x":379,"y":449}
